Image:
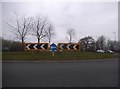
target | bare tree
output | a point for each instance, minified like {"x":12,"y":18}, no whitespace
{"x":20,"y":27}
{"x":71,"y":34}
{"x":50,"y":33}
{"x":39,"y":28}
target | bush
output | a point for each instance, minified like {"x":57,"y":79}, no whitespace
{"x":11,"y":46}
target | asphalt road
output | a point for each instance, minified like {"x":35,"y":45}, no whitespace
{"x":91,"y":73}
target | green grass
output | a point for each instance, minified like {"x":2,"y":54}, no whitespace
{"x":68,"y":55}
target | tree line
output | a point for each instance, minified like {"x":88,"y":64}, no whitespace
{"x":42,"y":28}
{"x":89,"y":44}
{"x":86,"y":44}
{"x":38,"y":26}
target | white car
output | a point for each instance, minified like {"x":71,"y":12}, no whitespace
{"x":100,"y":51}
{"x":110,"y":51}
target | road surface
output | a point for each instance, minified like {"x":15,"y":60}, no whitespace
{"x":84,"y":73}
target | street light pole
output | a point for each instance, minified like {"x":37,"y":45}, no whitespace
{"x":115,"y":40}
{"x":114,"y":36}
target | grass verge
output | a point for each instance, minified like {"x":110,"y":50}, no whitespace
{"x":43,"y":56}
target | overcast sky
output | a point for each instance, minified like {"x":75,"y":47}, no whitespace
{"x":87,"y":18}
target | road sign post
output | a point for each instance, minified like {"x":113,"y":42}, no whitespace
{"x":53,"y":48}
{"x":53,"y":53}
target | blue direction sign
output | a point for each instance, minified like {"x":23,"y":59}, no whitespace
{"x":53,"y":47}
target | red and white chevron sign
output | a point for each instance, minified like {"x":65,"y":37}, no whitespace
{"x":36,"y":46}
{"x":68,"y":46}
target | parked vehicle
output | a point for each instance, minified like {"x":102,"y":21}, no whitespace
{"x":100,"y":51}
{"x":110,"y":51}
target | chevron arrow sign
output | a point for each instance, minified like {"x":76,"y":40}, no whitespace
{"x":36,"y":46}
{"x":68,"y":46}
